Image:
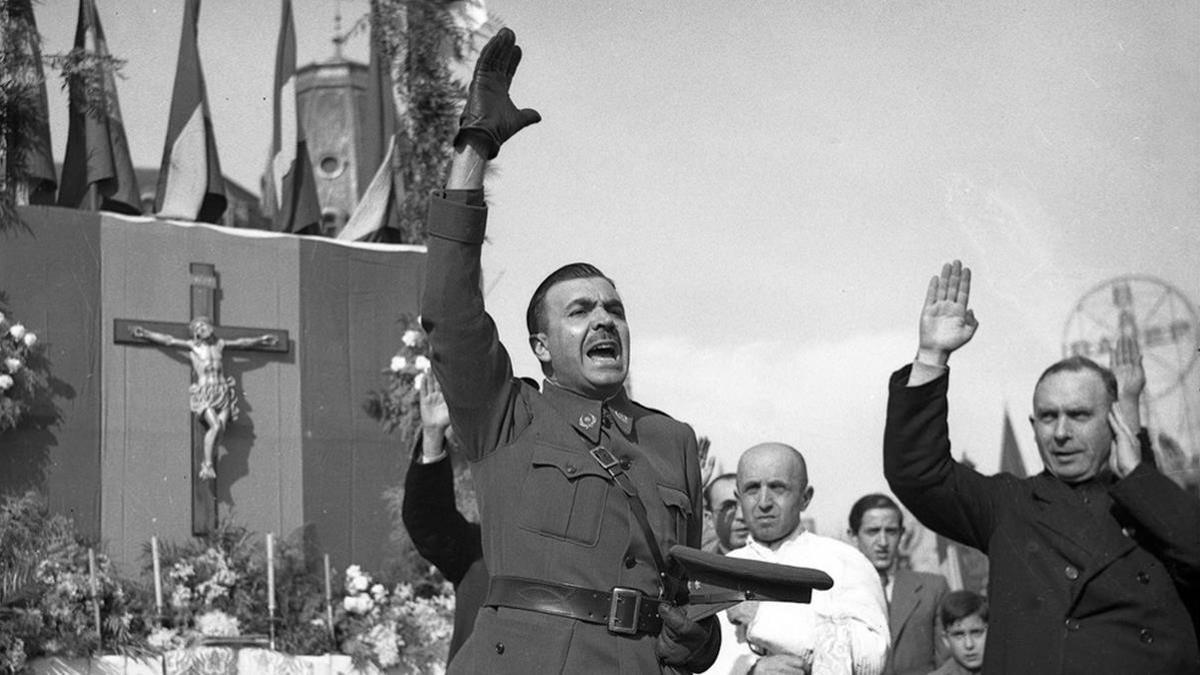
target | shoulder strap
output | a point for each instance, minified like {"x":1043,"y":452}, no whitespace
{"x":612,"y":465}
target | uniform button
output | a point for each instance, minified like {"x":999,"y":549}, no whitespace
{"x":570,"y":469}
{"x":499,"y":647}
{"x":1143,"y":577}
{"x":1146,"y":636}
{"x":1072,"y":624}
{"x":630,"y":562}
{"x":625,"y":464}
{"x":1071,"y":572}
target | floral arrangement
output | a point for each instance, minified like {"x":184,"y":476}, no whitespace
{"x":396,"y":406}
{"x":54,"y":588}
{"x":58,"y":597}
{"x":394,"y":627}
{"x":23,"y":373}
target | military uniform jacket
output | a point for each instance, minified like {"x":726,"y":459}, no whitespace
{"x":1086,"y":579}
{"x":548,"y":509}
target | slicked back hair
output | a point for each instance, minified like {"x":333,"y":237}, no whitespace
{"x":958,"y":605}
{"x":536,"y":312}
{"x":868,"y":502}
{"x":1075,"y":364}
{"x":707,"y":491}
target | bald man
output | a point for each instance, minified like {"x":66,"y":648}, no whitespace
{"x":844,"y":630}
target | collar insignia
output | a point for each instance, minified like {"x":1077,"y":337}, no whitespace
{"x":587,"y":420}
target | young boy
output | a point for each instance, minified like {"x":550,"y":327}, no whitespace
{"x":964,"y":616}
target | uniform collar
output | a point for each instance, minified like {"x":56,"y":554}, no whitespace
{"x":587,"y":415}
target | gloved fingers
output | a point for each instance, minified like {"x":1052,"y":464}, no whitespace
{"x":513,"y":61}
{"x":673,"y":618}
{"x":494,"y":55}
{"x":529,"y":116}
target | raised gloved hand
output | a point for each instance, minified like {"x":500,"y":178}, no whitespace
{"x":490,"y":116}
{"x":690,"y":644}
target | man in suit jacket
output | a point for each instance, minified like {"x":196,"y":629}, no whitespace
{"x":876,"y":525}
{"x":1095,"y":561}
{"x":439,"y":532}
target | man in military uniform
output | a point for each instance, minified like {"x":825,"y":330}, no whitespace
{"x":581,"y":491}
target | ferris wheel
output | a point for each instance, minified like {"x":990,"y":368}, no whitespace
{"x":1166,"y":326}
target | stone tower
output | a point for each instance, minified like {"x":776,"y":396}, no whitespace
{"x":331,"y":98}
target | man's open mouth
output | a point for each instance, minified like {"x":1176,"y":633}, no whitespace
{"x":604,"y":351}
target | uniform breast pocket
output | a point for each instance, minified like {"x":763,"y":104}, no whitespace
{"x":564,"y":495}
{"x":679,"y":509}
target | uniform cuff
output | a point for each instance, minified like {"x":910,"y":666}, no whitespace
{"x":458,"y":215}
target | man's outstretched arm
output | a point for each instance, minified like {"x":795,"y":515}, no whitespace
{"x":468,"y":359}
{"x":949,"y":498}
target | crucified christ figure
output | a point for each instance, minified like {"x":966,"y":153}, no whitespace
{"x":213,"y":397}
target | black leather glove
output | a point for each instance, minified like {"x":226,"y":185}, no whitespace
{"x":692,"y":645}
{"x":490,"y":116}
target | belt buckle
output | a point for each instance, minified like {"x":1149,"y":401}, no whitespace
{"x":623,"y":610}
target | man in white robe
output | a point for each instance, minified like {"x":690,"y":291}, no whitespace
{"x":843,"y":631}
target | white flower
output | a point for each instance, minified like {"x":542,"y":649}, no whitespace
{"x":17,"y":331}
{"x":164,"y":639}
{"x":421,"y":363}
{"x":399,"y":363}
{"x":6,"y":381}
{"x":357,"y":604}
{"x":30,"y":339}
{"x":387,"y":648}
{"x":356,"y":581}
{"x":379,"y":592}
{"x":418,"y":381}
{"x":410,"y":339}
{"x":217,"y":623}
{"x":13,"y":364}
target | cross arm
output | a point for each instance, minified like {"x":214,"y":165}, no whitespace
{"x":236,"y":338}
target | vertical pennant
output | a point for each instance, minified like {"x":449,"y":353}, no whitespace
{"x":190,"y":184}
{"x":1010,"y":453}
{"x":380,"y":123}
{"x":293,"y":186}
{"x":376,"y":217}
{"x":35,"y":164}
{"x":97,"y":170}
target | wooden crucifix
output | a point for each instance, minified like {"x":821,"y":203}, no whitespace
{"x":213,"y":397}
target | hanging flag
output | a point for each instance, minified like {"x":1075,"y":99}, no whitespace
{"x":380,"y":119}
{"x":295,"y":193}
{"x":1010,"y":453}
{"x":377,"y":215}
{"x":190,"y":185}
{"x":35,"y":162}
{"x":97,"y":170}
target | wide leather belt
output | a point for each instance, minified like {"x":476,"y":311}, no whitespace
{"x":626,"y":611}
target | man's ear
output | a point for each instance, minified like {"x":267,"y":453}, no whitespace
{"x":806,"y":499}
{"x":537,"y":342}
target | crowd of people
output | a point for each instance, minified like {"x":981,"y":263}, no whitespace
{"x":582,"y":492}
